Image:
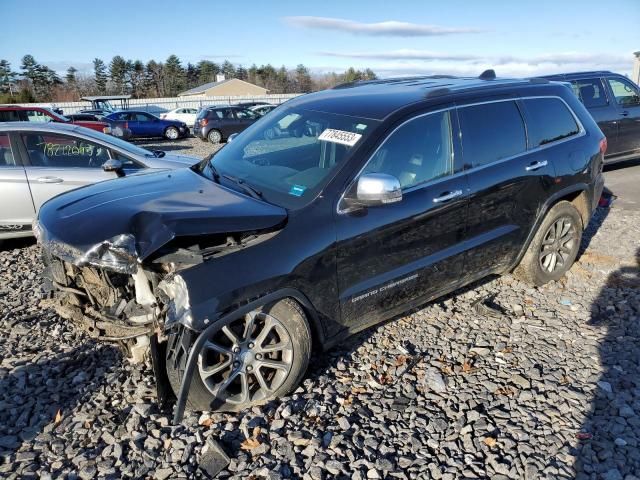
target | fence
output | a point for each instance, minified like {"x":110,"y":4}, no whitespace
{"x":159,"y":105}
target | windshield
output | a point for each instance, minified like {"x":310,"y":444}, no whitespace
{"x":288,"y":157}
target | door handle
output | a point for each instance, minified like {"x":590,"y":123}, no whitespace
{"x":624,"y":113}
{"x":536,"y":165}
{"x":447,"y":196}
{"x":49,"y":180}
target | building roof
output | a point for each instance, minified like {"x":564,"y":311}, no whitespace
{"x":377,"y":99}
{"x":203,"y":88}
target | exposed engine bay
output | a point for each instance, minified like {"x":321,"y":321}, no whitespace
{"x":115,"y":305}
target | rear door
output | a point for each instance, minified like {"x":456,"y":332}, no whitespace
{"x":626,"y":96}
{"x":507,"y":183}
{"x":393,"y":255}
{"x":57,"y":163}
{"x":593,"y":94}
{"x":245,"y":118}
{"x":16,"y":206}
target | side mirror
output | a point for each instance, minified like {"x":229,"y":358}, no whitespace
{"x":375,"y":189}
{"x":232,"y":137}
{"x":114,"y":166}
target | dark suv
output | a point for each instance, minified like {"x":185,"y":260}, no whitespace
{"x":216,"y":124}
{"x":614,"y":102}
{"x":373,"y":199}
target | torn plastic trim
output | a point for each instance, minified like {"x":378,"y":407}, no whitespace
{"x":178,"y":305}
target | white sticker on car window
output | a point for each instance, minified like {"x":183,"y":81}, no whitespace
{"x":340,"y":136}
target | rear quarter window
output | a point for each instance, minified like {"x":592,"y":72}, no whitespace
{"x":491,"y":132}
{"x":549,"y":120}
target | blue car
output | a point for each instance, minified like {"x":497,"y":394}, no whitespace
{"x":143,"y":124}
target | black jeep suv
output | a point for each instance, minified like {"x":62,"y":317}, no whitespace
{"x":373,"y":198}
{"x":614,"y":102}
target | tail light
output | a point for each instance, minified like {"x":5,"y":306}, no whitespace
{"x":203,"y":122}
{"x":603,"y":145}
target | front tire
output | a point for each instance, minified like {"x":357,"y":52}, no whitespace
{"x":555,"y":246}
{"x":250,"y":360}
{"x":171,"y":133}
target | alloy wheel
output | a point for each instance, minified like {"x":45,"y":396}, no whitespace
{"x":246,"y":360}
{"x":172,"y":133}
{"x":214,"y":136}
{"x":558,"y":245}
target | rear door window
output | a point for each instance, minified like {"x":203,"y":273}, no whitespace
{"x":549,"y":120}
{"x":491,"y":132}
{"x":590,"y":92}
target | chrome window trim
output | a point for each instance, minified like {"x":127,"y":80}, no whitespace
{"x":581,"y":132}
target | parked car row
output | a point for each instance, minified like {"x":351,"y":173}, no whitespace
{"x":338,"y":210}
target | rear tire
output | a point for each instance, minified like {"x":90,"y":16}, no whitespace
{"x":171,"y":133}
{"x":214,"y":137}
{"x":554,"y":247}
{"x":269,"y":372}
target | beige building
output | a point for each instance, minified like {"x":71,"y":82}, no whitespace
{"x":635,"y":76}
{"x":226,"y":88}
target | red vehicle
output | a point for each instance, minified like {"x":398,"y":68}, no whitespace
{"x":17,"y":113}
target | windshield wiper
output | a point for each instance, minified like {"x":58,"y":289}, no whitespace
{"x":244,"y":186}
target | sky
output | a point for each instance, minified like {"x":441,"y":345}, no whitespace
{"x":392,"y":37}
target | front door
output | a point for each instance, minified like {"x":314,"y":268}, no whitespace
{"x":627,"y":101}
{"x":58,"y":163}
{"x":16,"y":206}
{"x":396,"y":255}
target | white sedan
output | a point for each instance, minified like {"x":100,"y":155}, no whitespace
{"x":183,"y":114}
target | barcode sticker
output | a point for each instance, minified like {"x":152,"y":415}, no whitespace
{"x":340,"y":136}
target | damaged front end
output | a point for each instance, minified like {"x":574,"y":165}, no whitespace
{"x":114,"y":296}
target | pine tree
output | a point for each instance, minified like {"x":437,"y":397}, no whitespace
{"x":7,"y":77}
{"x":174,"y":75}
{"x":70,"y":78}
{"x":118,"y":74}
{"x":207,"y":71}
{"x":100,"y":72}
{"x":303,"y":82}
{"x":228,"y":70}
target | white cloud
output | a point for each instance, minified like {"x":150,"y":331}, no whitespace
{"x":388,"y":28}
{"x":418,"y":62}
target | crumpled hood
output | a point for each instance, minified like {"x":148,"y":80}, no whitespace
{"x":154,"y":208}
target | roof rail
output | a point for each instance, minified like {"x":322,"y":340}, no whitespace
{"x":488,"y":75}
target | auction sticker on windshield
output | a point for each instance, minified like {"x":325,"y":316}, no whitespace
{"x":340,"y":136}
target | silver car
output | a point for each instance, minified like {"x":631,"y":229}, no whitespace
{"x":39,"y":161}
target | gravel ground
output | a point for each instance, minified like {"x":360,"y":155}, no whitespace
{"x":544,"y":384}
{"x":185,"y":146}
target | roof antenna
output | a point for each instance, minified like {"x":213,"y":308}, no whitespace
{"x":488,"y":75}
